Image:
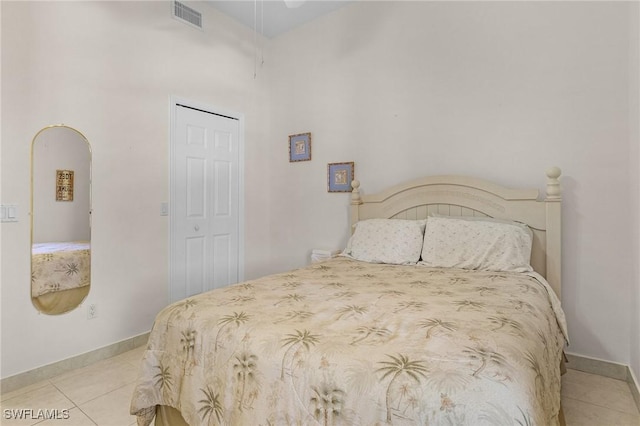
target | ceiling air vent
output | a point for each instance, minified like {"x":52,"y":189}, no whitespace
{"x":187,"y":14}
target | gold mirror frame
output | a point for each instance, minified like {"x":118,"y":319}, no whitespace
{"x":60,"y":219}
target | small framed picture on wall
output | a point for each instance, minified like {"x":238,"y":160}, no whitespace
{"x":300,"y":147}
{"x":340,"y":176}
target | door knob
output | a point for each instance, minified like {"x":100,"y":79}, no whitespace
{"x":196,"y":228}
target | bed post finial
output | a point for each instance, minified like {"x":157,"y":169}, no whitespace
{"x":554,"y":230}
{"x":554,"y":193}
{"x":355,"y":193}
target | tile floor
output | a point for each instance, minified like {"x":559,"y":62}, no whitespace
{"x":99,"y":394}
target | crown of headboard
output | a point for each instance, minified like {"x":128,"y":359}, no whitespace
{"x":467,"y":196}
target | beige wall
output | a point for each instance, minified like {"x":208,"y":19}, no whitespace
{"x":109,"y":69}
{"x":500,"y":90}
{"x":634,"y":158}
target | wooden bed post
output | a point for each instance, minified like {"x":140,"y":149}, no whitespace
{"x":356,"y":201}
{"x":553,"y":203}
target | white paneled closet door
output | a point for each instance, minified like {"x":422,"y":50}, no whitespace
{"x":205,"y":214}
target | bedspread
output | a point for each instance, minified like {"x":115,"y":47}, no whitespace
{"x":346,"y":342}
{"x":59,"y":266}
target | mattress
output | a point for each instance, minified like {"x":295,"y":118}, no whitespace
{"x":354,"y":343}
{"x":59,"y":266}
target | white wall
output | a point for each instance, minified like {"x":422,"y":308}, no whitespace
{"x":109,"y":69}
{"x":634,"y":113}
{"x":501,"y":90}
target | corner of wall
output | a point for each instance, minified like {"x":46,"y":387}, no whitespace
{"x":634,"y":144}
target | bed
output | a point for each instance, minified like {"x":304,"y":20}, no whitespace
{"x":381,"y":335}
{"x":61,"y":275}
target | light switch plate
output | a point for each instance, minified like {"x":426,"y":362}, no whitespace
{"x":164,"y":209}
{"x":9,"y":212}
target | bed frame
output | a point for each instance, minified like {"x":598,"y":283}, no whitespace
{"x":465,"y":196}
{"x":460,"y":196}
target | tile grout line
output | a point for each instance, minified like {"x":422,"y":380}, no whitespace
{"x":87,"y":416}
{"x":607,"y":369}
{"x":600,"y":406}
{"x":107,"y":393}
{"x":100,"y":396}
{"x":75,"y":405}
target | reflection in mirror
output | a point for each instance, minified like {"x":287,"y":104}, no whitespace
{"x":60,"y":219}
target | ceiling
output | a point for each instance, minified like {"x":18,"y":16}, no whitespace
{"x":279,"y":16}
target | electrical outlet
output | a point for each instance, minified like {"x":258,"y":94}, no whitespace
{"x":92,"y":311}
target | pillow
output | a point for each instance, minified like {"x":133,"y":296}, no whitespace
{"x":477,"y":243}
{"x":394,"y":241}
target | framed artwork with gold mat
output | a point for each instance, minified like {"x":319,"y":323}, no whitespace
{"x":64,"y":185}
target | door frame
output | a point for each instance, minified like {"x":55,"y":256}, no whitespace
{"x":174,"y":102}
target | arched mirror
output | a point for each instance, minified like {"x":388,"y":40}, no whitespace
{"x":60,"y":219}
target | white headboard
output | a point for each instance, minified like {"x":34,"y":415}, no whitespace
{"x":466,"y":196}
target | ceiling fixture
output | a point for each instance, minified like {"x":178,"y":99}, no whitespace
{"x":291,"y":4}
{"x":255,"y":36}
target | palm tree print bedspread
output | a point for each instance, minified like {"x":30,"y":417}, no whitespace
{"x":60,"y":266}
{"x":351,"y":343}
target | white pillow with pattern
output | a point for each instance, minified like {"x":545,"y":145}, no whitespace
{"x":478,"y":244}
{"x":394,"y":241}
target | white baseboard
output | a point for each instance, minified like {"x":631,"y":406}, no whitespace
{"x":607,"y":369}
{"x":634,"y":384}
{"x":30,"y":377}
